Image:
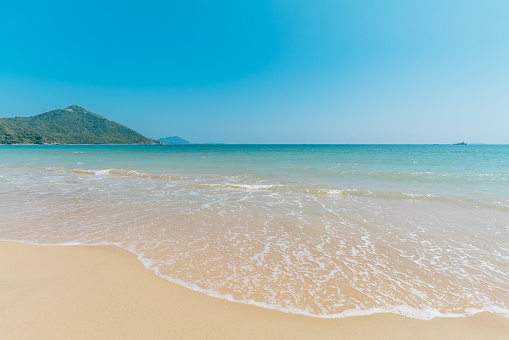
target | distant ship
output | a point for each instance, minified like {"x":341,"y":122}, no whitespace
{"x":462,"y":143}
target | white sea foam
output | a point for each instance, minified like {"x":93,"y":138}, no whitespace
{"x":240,"y":186}
{"x":102,"y":172}
{"x":416,"y":313}
{"x":249,"y":186}
{"x":427,"y":313}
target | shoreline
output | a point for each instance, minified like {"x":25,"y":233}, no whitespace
{"x":409,"y":312}
{"x":105,"y":292}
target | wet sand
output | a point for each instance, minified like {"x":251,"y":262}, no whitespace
{"x":62,"y":292}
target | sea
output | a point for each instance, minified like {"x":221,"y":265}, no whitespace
{"x":328,"y":231}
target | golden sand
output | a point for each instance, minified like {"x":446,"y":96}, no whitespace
{"x":94,"y":292}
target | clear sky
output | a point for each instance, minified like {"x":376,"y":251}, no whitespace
{"x":265,"y":71}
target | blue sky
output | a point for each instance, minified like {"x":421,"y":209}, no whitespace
{"x":265,"y":71}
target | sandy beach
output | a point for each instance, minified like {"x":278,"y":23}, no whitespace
{"x":63,"y":292}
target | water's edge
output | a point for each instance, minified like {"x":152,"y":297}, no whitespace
{"x":406,"y":311}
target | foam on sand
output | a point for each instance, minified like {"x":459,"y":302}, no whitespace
{"x":113,"y":296}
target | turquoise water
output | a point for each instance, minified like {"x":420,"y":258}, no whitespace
{"x":324,"y":230}
{"x":478,"y":172}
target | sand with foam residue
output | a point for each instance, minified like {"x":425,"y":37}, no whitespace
{"x":62,"y":292}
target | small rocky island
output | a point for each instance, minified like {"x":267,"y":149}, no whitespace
{"x":175,"y":140}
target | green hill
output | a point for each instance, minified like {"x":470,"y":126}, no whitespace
{"x":72,"y":125}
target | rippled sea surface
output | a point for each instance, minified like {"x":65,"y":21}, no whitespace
{"x":323,"y":230}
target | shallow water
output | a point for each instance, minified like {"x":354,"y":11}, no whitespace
{"x":324,"y":230}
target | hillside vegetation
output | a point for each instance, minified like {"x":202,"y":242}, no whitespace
{"x":72,"y":125}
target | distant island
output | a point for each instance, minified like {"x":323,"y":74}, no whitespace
{"x":72,"y":125}
{"x":175,"y":140}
